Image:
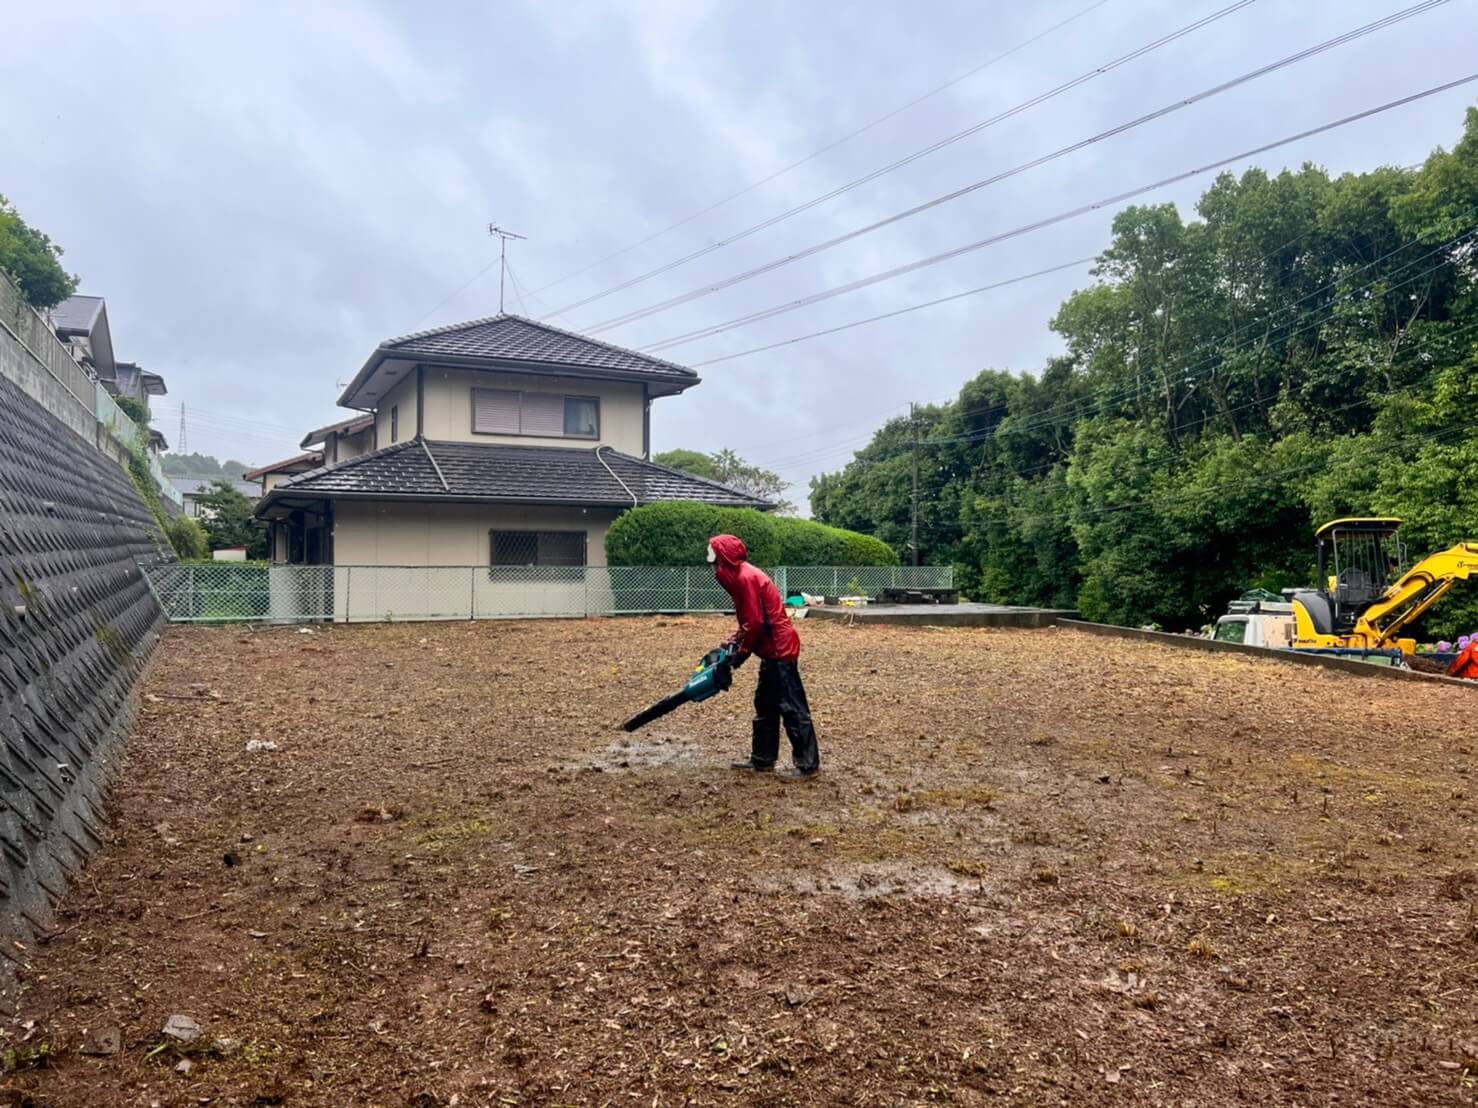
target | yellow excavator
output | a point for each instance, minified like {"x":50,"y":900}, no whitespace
{"x":1367,"y":595}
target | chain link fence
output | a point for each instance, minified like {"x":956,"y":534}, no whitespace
{"x":234,"y":592}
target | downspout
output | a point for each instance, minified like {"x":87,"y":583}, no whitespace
{"x":432,"y":458}
{"x":612,"y":472}
{"x":421,"y":402}
{"x":646,"y":422}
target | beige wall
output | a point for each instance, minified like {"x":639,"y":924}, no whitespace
{"x":370,"y":533}
{"x":352,"y":446}
{"x":449,"y":407}
{"x":403,"y":396}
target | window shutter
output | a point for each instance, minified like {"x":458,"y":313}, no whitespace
{"x":543,"y":414}
{"x":495,"y":411}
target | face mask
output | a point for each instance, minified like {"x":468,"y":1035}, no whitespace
{"x":712,"y":557}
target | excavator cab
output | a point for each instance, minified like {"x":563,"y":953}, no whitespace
{"x":1359,"y":560}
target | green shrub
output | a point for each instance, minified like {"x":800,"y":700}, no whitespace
{"x":188,"y":538}
{"x":676,"y":533}
{"x":864,"y":550}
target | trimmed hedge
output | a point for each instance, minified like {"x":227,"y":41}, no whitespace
{"x":676,"y":533}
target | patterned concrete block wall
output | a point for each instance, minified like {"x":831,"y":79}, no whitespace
{"x":77,"y":621}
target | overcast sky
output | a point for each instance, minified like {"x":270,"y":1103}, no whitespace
{"x":264,"y":191}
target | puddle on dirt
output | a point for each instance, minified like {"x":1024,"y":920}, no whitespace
{"x":874,"y":879}
{"x":644,"y":753}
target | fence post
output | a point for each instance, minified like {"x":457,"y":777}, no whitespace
{"x":687,"y":588}
{"x":471,"y":592}
{"x":836,"y":587}
{"x":348,"y":591}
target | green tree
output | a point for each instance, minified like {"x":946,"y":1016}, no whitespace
{"x":33,"y":260}
{"x":226,"y":516}
{"x":728,"y":468}
{"x":187,"y":537}
{"x":689,"y":461}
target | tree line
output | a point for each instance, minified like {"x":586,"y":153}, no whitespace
{"x":1305,"y":348}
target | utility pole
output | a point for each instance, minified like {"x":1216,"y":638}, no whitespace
{"x":914,"y":422}
{"x":503,"y":237}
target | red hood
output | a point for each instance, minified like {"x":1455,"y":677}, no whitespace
{"x":730,"y":549}
{"x":729,"y":554}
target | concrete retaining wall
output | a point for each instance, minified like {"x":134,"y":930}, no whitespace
{"x":77,"y":622}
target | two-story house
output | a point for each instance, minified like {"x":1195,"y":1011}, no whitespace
{"x":502,"y":442}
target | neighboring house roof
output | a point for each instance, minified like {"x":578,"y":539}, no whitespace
{"x":87,"y":317}
{"x":77,"y":315}
{"x":511,"y":342}
{"x":351,"y":426}
{"x":194,"y":486}
{"x":157,"y":439}
{"x":423,"y":470}
{"x":300,"y":464}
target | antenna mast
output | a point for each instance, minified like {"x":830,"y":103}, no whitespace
{"x":503,"y":237}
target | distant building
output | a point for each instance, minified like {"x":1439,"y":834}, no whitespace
{"x":268,"y":477}
{"x":192,"y":488}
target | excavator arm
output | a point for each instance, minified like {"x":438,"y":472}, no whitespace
{"x":1416,"y":591}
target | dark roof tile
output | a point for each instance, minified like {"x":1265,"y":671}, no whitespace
{"x":528,"y":474}
{"x":513,"y":338}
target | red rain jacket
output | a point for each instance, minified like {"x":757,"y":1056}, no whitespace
{"x":764,"y":628}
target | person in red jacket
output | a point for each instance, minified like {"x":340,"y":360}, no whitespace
{"x":766,"y":630}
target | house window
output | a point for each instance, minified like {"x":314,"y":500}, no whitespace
{"x":394,"y":422}
{"x":540,"y":414}
{"x":537,"y":548}
{"x":582,"y":417}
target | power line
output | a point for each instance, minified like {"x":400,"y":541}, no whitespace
{"x":909,"y":159}
{"x":1075,"y":264}
{"x":1073,"y":213}
{"x":985,"y":182}
{"x":935,"y":91}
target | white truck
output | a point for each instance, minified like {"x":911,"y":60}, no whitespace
{"x":1257,"y":623}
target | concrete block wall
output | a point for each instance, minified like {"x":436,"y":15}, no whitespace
{"x":77,"y":622}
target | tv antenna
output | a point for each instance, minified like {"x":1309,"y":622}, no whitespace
{"x":503,"y":237}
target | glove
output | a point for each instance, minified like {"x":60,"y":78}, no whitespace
{"x":723,"y":676}
{"x":738,"y":660}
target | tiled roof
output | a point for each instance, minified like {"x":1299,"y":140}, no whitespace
{"x":313,"y":456}
{"x":352,"y":425}
{"x":527,"y":474}
{"x":513,"y":338}
{"x":190,"y":486}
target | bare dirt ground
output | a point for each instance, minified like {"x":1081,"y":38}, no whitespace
{"x":1038,"y":868}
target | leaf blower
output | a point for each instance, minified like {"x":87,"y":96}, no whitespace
{"x":712,"y":675}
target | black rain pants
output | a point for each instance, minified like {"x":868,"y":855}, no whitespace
{"x":778,"y":697}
